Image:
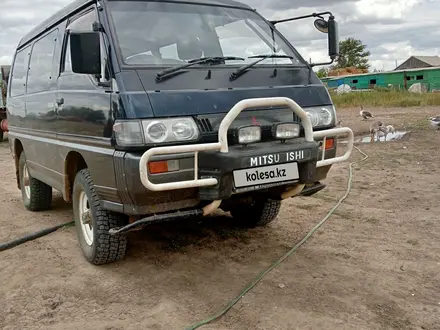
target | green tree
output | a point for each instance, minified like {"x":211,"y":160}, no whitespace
{"x":353,"y":53}
{"x":322,"y":73}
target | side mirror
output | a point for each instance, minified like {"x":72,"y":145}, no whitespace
{"x":331,"y":28}
{"x":333,"y":39}
{"x":85,"y":52}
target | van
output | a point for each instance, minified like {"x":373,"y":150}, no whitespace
{"x":145,"y":111}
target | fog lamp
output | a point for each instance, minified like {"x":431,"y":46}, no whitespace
{"x":249,"y":134}
{"x":285,"y":131}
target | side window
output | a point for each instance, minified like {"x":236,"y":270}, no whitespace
{"x":19,"y":72}
{"x":82,"y":23}
{"x":40,"y":66}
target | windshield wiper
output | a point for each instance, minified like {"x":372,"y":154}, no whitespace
{"x":234,"y":75}
{"x":214,"y":59}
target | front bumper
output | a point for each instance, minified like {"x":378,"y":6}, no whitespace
{"x":257,"y":167}
{"x":136,"y":199}
{"x":207,"y":156}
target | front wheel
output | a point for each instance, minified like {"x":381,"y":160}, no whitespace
{"x":92,"y":223}
{"x":258,"y":213}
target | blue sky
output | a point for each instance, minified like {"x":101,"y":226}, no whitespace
{"x":392,"y":30}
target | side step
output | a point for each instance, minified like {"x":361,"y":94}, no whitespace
{"x":156,"y":218}
{"x":313,"y":189}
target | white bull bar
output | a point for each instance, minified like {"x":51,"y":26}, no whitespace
{"x":222,"y":144}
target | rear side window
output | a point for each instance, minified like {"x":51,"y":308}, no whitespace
{"x":40,"y":67}
{"x":18,"y":82}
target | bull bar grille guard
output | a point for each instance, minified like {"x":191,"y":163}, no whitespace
{"x":222,"y":144}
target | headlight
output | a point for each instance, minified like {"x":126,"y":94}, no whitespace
{"x":184,"y":130}
{"x":313,"y":115}
{"x":156,"y":132}
{"x":170,"y":130}
{"x":321,"y":116}
{"x":249,"y":134}
{"x":153,"y":131}
{"x":284,"y":131}
{"x":325,"y":116}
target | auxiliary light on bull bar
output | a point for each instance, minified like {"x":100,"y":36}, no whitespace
{"x":249,"y":134}
{"x":285,"y":131}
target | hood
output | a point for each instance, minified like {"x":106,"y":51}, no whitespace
{"x":198,"y":92}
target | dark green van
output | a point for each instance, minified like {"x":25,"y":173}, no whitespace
{"x":145,"y":111}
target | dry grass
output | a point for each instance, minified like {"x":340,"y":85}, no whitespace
{"x":385,"y":98}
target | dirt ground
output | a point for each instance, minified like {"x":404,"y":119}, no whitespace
{"x":375,"y":264}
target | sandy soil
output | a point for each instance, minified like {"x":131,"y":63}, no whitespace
{"x":374,"y":265}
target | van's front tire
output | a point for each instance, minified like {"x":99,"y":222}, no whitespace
{"x":92,"y":223}
{"x":37,"y":196}
{"x":258,"y":213}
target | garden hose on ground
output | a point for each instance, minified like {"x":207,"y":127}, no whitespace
{"x":290,"y":252}
{"x":30,"y":237}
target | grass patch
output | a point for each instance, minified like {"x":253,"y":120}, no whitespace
{"x":385,"y":98}
{"x":420,"y":125}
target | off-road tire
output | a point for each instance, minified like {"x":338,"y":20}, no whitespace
{"x":105,"y":248}
{"x":258,"y":214}
{"x":40,"y":193}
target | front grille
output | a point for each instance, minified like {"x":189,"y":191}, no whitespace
{"x":204,"y":125}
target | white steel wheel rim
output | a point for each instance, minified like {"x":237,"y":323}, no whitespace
{"x":26,"y":182}
{"x":85,"y":218}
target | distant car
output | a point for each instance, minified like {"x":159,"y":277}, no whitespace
{"x":136,"y":113}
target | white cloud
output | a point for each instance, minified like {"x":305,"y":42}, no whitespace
{"x":385,"y":9}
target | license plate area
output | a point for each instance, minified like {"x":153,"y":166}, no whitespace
{"x":266,"y":175}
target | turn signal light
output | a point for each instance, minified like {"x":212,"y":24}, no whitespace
{"x":329,"y":143}
{"x":163,"y":166}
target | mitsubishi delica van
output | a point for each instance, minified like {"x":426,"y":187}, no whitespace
{"x":143,"y":111}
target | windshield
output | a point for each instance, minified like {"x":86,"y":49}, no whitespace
{"x":167,"y":34}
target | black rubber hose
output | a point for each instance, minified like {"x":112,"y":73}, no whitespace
{"x":38,"y":234}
